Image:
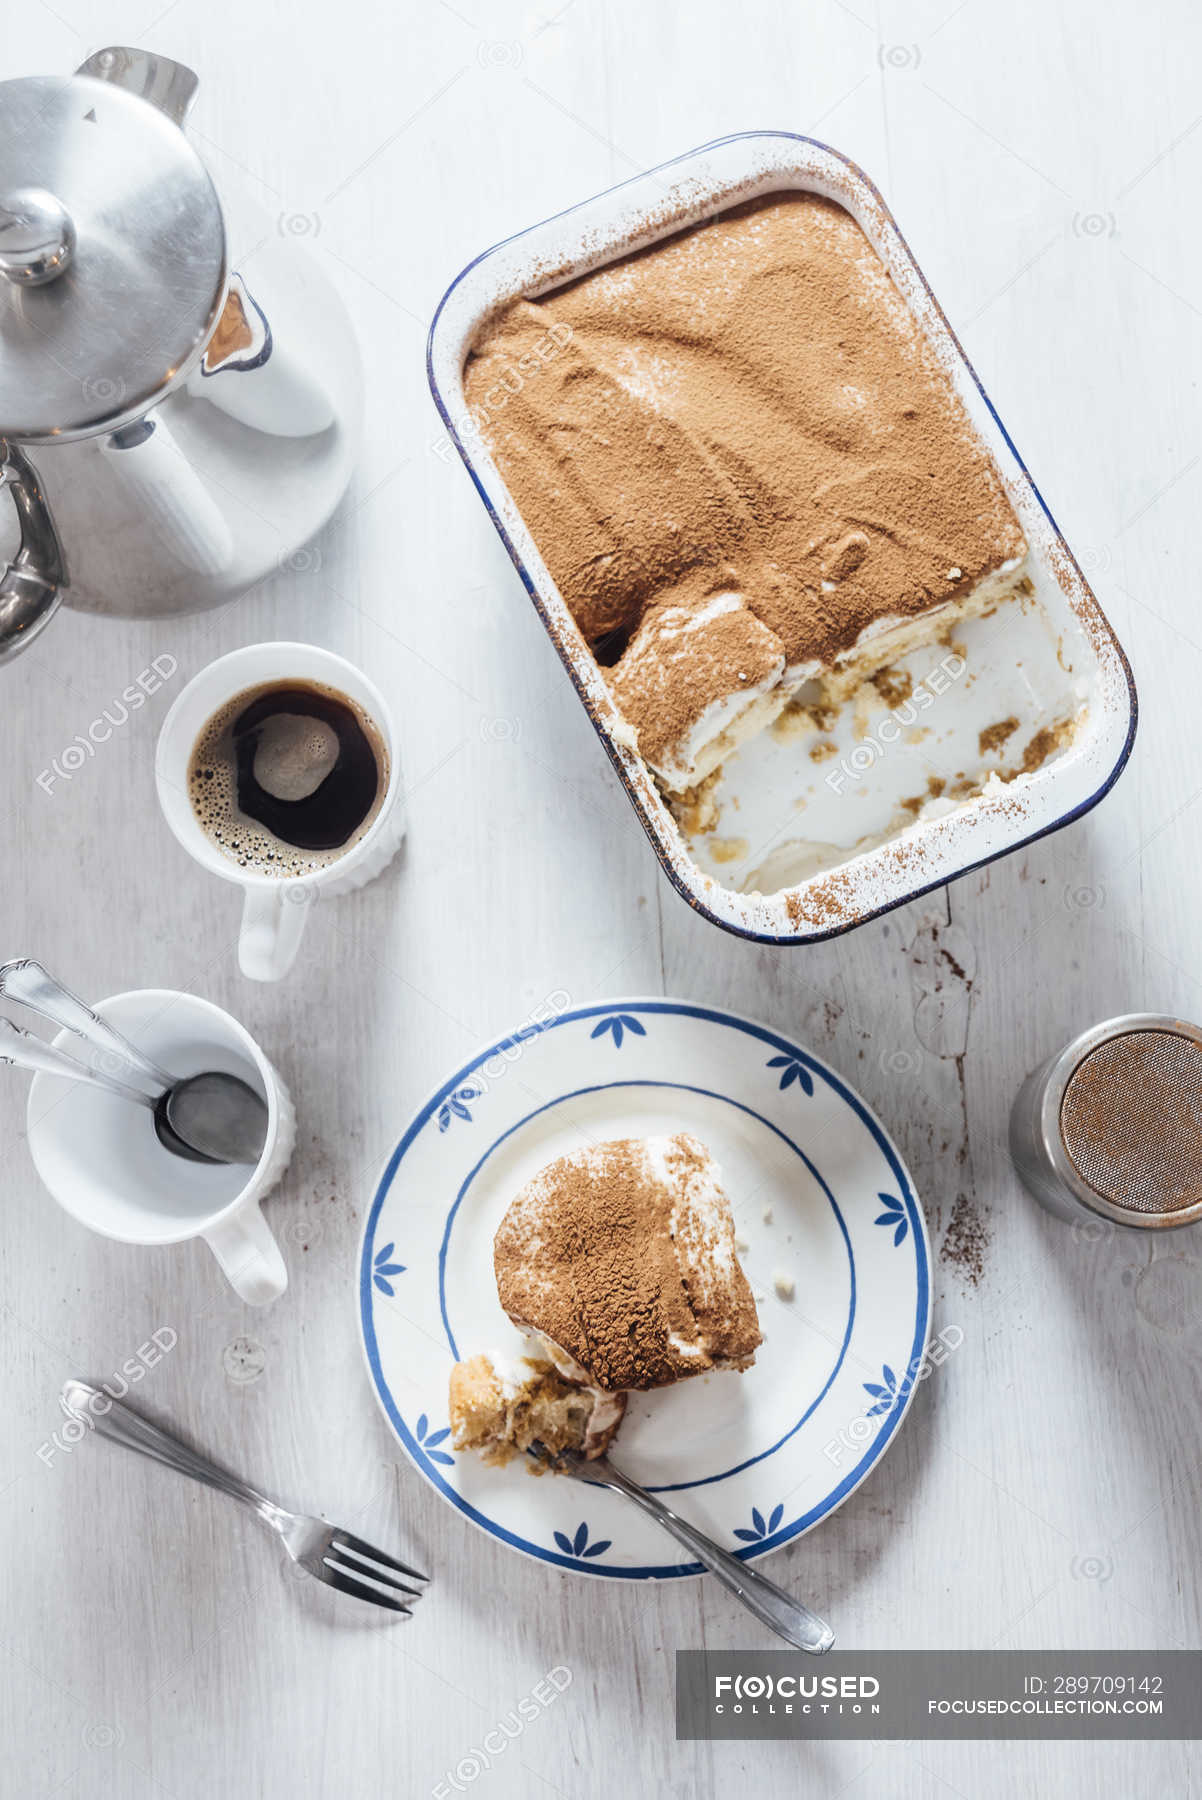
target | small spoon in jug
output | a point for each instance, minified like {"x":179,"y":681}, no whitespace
{"x":212,"y":1117}
{"x":214,"y":1114}
{"x":35,"y":987}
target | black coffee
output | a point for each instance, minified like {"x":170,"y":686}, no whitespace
{"x":287,"y":776}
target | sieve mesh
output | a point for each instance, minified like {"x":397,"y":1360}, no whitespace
{"x":1131,"y":1120}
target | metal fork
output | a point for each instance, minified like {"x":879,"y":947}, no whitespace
{"x":333,"y":1556}
{"x":770,"y":1604}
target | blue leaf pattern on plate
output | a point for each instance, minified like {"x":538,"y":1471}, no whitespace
{"x":759,"y":1530}
{"x":456,"y":1107}
{"x":579,"y":1545}
{"x":884,"y":1392}
{"x":430,"y":1440}
{"x":619,"y":1024}
{"x":894,"y":1214}
{"x":383,"y":1267}
{"x":792,"y":1071}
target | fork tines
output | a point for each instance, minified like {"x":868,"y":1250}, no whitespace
{"x":345,"y":1540}
{"x":562,"y":1461}
{"x":346,"y":1562}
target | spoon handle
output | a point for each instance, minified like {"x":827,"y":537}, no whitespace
{"x":35,"y":987}
{"x":25,"y":1051}
{"x":770,"y":1604}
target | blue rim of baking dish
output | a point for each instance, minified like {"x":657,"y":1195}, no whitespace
{"x":686,"y":892}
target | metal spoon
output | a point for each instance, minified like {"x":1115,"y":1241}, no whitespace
{"x":24,"y":1051}
{"x":35,"y":987}
{"x":218,"y":1115}
{"x":779,"y":1611}
{"x":212,"y":1117}
{"x":206,"y":1118}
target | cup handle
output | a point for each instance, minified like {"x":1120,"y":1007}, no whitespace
{"x":273,"y":923}
{"x":249,"y":1256}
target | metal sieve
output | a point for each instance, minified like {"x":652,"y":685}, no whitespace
{"x":1112,"y":1124}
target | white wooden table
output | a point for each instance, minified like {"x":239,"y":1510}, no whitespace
{"x":1044,"y":160}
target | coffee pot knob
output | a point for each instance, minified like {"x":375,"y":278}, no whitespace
{"x":37,"y":237}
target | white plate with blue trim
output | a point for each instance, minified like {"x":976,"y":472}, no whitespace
{"x":820,"y":1196}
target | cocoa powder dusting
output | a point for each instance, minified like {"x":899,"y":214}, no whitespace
{"x":994,"y":736}
{"x":682,"y":660}
{"x":1131,"y":1120}
{"x":1045,"y":743}
{"x":895,"y":686}
{"x":625,"y":1270}
{"x":747,"y":407}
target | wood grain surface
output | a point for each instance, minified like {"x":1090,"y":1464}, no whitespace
{"x":1043,"y":158}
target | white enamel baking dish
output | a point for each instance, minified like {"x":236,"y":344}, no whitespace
{"x":934,"y":849}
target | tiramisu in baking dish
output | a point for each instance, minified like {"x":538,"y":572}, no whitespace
{"x":747,"y":472}
{"x":817,"y":611}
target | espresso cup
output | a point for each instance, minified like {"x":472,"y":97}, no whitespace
{"x":101,"y":1158}
{"x":276,"y":908}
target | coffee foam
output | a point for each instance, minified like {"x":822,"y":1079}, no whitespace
{"x":295,"y":756}
{"x":213,"y":785}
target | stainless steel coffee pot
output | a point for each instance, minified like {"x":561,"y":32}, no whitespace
{"x":176,"y":417}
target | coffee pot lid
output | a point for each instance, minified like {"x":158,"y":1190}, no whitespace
{"x":112,"y":247}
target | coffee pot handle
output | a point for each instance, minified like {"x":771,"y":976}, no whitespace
{"x":31,"y":585}
{"x":171,"y":493}
{"x":170,"y":86}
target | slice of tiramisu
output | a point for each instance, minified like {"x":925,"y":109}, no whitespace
{"x":621,"y":1259}
{"x":695,"y":680}
{"x":500,"y":1405}
{"x":746,"y":470}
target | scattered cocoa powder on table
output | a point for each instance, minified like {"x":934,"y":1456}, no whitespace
{"x":966,"y":1242}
